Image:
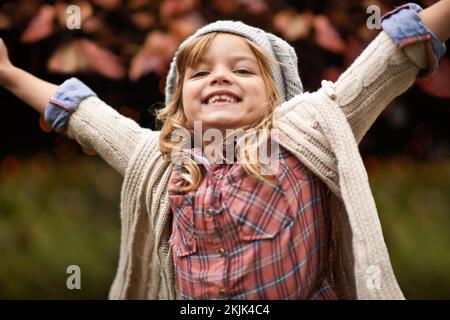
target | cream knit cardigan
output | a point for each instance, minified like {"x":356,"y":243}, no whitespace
{"x":322,"y":129}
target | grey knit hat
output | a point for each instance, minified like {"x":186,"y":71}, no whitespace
{"x":285,"y":75}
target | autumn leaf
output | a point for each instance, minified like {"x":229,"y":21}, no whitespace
{"x":86,"y":56}
{"x":41,"y":26}
{"x":293,"y":25}
{"x":327,"y":36}
{"x":185,"y":26}
{"x":143,"y":20}
{"x":255,"y":6}
{"x":227,"y":7}
{"x":154,"y":56}
{"x":173,"y":8}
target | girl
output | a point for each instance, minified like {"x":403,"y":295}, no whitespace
{"x":202,"y":229}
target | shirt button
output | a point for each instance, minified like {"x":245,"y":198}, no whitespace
{"x":218,"y":176}
{"x":209,"y":213}
{"x":221,"y":252}
{"x":221,"y":293}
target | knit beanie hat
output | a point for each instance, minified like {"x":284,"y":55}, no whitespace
{"x":285,"y":74}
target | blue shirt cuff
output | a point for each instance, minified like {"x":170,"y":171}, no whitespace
{"x":405,"y":27}
{"x":65,"y":100}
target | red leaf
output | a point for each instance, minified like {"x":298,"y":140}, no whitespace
{"x":255,"y":6}
{"x":327,"y":36}
{"x":41,"y":26}
{"x":154,"y":56}
{"x":186,"y":25}
{"x":143,"y":20}
{"x":85,"y":55}
{"x":439,"y":84}
{"x":226,"y":7}
{"x":172,"y":8}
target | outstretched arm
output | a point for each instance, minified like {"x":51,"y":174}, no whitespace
{"x":30,"y":89}
{"x":410,"y":43}
{"x":73,"y":108}
{"x":437,"y":19}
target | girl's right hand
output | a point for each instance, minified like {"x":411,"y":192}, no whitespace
{"x":5,"y":63}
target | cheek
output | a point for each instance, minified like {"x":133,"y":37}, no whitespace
{"x":260,"y":96}
{"x":185,"y":98}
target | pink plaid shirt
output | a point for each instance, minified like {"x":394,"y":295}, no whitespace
{"x":238,"y":238}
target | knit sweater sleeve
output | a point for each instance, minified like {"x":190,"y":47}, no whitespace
{"x":95,"y":125}
{"x":385,"y":69}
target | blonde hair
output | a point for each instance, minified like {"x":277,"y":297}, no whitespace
{"x":173,"y":117}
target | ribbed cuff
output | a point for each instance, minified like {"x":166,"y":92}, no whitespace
{"x":405,"y":27}
{"x":66,"y":99}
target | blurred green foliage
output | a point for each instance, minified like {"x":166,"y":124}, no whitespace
{"x":54,"y":214}
{"x":57,"y":213}
{"x":413,"y":201}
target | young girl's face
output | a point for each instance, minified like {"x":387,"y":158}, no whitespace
{"x":228,"y":70}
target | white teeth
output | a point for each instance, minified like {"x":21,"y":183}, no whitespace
{"x":221,"y":97}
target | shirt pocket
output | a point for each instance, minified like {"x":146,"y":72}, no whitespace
{"x":183,"y":238}
{"x":256,"y":209}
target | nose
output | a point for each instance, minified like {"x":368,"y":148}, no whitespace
{"x":220,"y":75}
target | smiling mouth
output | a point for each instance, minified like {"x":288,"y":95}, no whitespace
{"x":221,"y":103}
{"x":222,"y":100}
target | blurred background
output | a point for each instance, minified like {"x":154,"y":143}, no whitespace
{"x":59,"y":203}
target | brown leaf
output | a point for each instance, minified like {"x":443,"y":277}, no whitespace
{"x":327,"y":36}
{"x":255,"y":7}
{"x":41,"y":26}
{"x":227,"y":7}
{"x":143,"y":20}
{"x":93,"y":25}
{"x":292,"y":25}
{"x":186,"y":25}
{"x":173,"y":8}
{"x":439,"y":84}
{"x":154,"y":56}
{"x":84,"y":55}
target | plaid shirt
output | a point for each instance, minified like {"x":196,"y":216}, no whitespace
{"x":238,"y":238}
